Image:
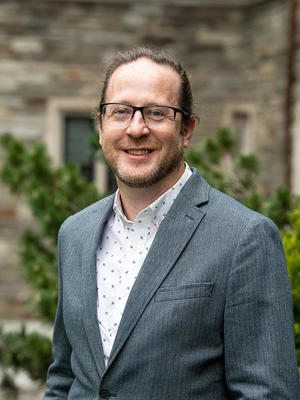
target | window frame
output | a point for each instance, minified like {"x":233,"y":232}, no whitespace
{"x":57,"y":110}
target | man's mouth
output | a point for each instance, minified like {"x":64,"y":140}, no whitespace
{"x":138,"y":152}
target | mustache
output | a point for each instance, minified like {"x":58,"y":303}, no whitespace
{"x":138,"y":143}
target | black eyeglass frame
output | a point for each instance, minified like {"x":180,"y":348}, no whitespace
{"x":141,"y":109}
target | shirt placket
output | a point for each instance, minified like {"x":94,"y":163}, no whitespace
{"x":136,"y":240}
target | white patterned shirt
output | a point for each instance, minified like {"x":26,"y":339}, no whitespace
{"x":120,"y":256}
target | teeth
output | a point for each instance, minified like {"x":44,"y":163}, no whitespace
{"x":138,"y":152}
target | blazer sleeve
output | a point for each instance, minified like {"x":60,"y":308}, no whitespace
{"x":60,"y":376}
{"x":260,"y":357}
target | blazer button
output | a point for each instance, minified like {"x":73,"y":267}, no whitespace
{"x":104,"y":394}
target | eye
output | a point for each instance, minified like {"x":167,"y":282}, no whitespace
{"x":155,"y":113}
{"x":120,"y":111}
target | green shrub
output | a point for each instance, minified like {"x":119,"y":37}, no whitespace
{"x":291,"y":243}
{"x":52,"y":195}
{"x":28,"y":351}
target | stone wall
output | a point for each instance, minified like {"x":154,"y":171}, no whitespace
{"x":266,"y":41}
{"x":55,"y":52}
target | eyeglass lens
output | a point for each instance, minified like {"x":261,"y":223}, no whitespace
{"x":120,"y":113}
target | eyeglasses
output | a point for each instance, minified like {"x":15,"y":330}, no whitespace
{"x":120,"y":114}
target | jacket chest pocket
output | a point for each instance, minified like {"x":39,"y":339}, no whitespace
{"x":203,"y":289}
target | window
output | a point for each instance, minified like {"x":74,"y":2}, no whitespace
{"x":69,"y":136}
{"x":239,"y":126}
{"x":242,"y":119}
{"x":78,"y":149}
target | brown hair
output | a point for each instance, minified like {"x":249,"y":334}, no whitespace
{"x":185,"y":97}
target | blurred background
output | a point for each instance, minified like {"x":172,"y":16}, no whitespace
{"x":243,"y":60}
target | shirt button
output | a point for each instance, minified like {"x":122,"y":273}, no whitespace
{"x":104,"y":394}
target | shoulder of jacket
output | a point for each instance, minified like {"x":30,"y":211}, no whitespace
{"x":86,"y":213}
{"x":234,"y":210}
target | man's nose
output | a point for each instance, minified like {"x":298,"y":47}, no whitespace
{"x":137,"y":125}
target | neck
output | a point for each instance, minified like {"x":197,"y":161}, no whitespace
{"x":135,"y":199}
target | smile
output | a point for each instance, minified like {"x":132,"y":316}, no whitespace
{"x":138,"y":152}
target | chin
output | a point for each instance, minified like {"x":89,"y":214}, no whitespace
{"x":140,"y":176}
{"x":138,"y":181}
{"x":146,"y":179}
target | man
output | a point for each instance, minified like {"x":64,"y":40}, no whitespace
{"x":169,"y":289}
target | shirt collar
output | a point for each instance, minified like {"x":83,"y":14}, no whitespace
{"x":160,"y":207}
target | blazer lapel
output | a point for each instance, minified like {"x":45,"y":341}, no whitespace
{"x":170,"y":240}
{"x":93,"y":233}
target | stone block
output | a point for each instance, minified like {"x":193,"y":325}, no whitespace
{"x":26,"y":44}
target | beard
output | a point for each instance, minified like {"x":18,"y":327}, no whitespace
{"x":132,"y":177}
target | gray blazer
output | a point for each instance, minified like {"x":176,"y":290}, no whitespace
{"x":208,"y":318}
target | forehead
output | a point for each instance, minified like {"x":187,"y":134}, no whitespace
{"x":144,"y":82}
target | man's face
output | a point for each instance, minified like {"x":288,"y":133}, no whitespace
{"x":142,"y":155}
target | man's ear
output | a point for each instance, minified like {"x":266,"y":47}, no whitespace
{"x":99,"y":128}
{"x":188,"y":132}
